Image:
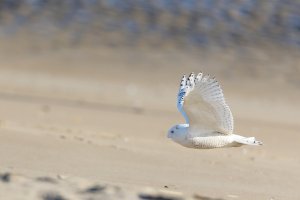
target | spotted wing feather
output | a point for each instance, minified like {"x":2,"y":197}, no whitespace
{"x":183,"y":90}
{"x":202,"y":103}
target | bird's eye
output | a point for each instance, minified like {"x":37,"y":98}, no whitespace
{"x":172,"y":131}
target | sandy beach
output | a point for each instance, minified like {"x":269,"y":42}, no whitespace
{"x":93,"y":125}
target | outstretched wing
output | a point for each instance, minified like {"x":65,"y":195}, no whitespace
{"x":201,"y":102}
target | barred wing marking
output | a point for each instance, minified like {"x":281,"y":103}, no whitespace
{"x":201,"y":102}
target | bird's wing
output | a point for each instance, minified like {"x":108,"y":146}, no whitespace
{"x":201,"y":102}
{"x":183,"y":91}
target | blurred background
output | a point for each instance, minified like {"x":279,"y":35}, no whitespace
{"x":111,"y":51}
{"x":233,"y":39}
{"x":93,"y":84}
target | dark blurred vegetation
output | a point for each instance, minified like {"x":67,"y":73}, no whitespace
{"x":196,"y":23}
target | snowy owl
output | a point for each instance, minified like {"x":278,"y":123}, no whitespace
{"x":209,"y":122}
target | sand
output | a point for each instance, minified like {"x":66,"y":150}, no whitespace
{"x":74,"y":120}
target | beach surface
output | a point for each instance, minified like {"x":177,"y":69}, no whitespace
{"x":92,"y":124}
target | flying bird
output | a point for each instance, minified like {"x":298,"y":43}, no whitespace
{"x":209,"y":121}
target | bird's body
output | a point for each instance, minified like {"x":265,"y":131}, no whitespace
{"x":209,"y":122}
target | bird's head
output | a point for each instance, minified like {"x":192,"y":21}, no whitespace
{"x":178,"y":132}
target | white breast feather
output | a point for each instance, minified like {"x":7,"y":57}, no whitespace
{"x":201,"y":102}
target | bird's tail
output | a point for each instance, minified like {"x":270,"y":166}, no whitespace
{"x":248,"y":141}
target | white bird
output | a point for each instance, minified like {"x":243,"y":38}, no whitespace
{"x":209,"y":122}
